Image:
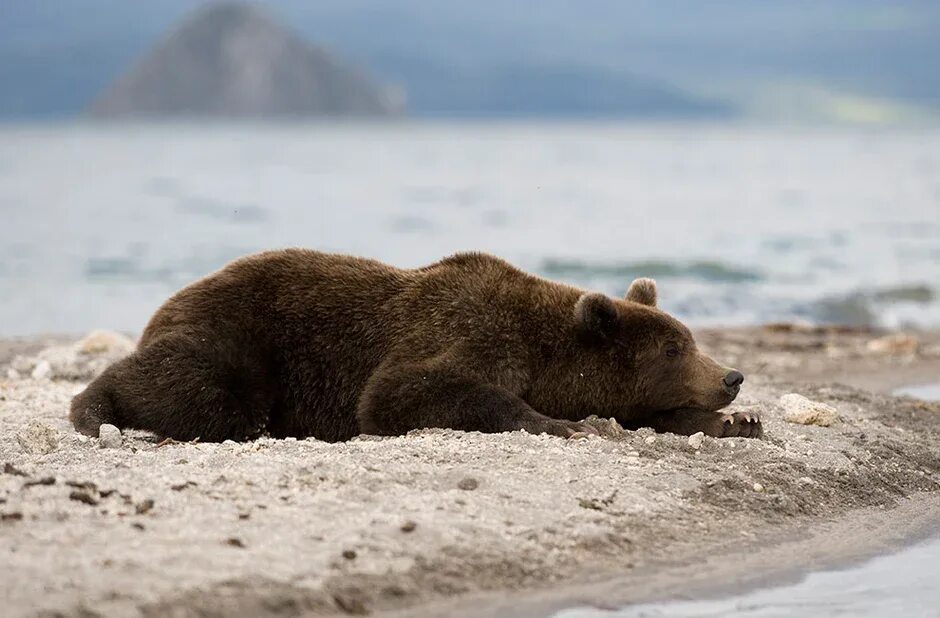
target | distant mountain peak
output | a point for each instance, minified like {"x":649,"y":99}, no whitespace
{"x":231,"y":59}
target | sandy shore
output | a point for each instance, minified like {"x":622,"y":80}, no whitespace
{"x":443,"y":522}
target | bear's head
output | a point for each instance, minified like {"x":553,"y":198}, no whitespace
{"x":628,"y":360}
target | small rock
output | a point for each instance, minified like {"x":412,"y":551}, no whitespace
{"x":13,"y":516}
{"x":42,"y":370}
{"x":144,"y":506}
{"x":46,"y":480}
{"x":350,"y":604}
{"x":9,"y":468}
{"x":109,"y":436}
{"x":897,"y":345}
{"x":798,"y":409}
{"x":82,"y":485}
{"x":80,"y":495}
{"x":590,"y":503}
{"x":37,"y":438}
{"x":696,"y":440}
{"x":408,"y":526}
{"x":468,"y":484}
{"x":758,"y":487}
{"x":234,"y":542}
{"x":349,"y":554}
{"x":105,"y":342}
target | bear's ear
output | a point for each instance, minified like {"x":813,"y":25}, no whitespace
{"x":596,"y":314}
{"x":642,"y":291}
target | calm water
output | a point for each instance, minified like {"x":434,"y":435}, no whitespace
{"x":99,"y":224}
{"x":903,"y":584}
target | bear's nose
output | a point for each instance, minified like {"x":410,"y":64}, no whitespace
{"x":733,"y":379}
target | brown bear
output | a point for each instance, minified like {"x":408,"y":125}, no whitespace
{"x":302,"y":343}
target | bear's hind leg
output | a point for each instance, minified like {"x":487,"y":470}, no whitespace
{"x":399,"y":398}
{"x":181,"y":387}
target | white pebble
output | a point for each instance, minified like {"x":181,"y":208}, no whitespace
{"x":104,"y":342}
{"x":696,"y":440}
{"x":42,"y":370}
{"x":758,"y":487}
{"x":37,"y":438}
{"x":109,"y":436}
{"x":800,"y":410}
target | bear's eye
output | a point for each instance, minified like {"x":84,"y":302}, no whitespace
{"x":672,"y":351}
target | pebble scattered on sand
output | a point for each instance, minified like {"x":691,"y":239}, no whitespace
{"x":897,"y":344}
{"x":9,"y":468}
{"x":800,"y":410}
{"x":38,"y":438}
{"x":46,"y":480}
{"x":42,"y":370}
{"x":83,"y":495}
{"x":468,"y":484}
{"x":696,"y":440}
{"x":109,"y":436}
{"x":105,"y":342}
{"x":758,"y":487}
{"x":83,"y":360}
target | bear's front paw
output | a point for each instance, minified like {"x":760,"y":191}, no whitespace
{"x":736,"y":425}
{"x":562,"y":429}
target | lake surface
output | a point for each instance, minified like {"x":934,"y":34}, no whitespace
{"x":930,"y":392}
{"x":903,"y":584}
{"x":906,"y":583}
{"x":98,"y":224}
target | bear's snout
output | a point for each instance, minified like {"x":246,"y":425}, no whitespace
{"x":732,"y":382}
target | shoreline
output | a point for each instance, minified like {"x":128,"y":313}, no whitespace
{"x":441,"y":521}
{"x":833,"y":545}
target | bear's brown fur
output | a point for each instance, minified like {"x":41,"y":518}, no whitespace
{"x":301,"y":343}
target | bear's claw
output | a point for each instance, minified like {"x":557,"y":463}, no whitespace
{"x":563,"y":429}
{"x":739,"y":425}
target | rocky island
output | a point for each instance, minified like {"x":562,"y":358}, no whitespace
{"x":233,"y":61}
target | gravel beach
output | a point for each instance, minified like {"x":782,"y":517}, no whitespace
{"x":445,"y":522}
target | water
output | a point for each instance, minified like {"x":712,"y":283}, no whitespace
{"x":900,"y":584}
{"x":930,"y":392}
{"x":98,"y":224}
{"x":903,"y":584}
